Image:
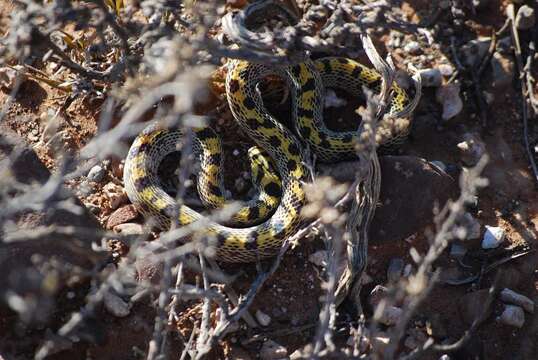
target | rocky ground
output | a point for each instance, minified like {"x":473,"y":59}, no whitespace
{"x":451,"y":130}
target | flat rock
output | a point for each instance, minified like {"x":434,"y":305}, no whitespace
{"x":122,"y":215}
{"x":403,"y":178}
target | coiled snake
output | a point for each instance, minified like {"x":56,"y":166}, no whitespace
{"x":259,"y":227}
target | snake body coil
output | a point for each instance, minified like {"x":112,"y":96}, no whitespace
{"x":250,"y":235}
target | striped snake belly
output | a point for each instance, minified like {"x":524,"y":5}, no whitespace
{"x":258,"y":228}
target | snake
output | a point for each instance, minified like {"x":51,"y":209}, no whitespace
{"x":256,"y":229}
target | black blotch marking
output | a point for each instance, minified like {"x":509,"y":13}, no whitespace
{"x":305,"y":112}
{"x":214,"y":190}
{"x":310,"y":85}
{"x":144,"y":147}
{"x":324,"y":143}
{"x":221,"y":239}
{"x":234,"y":85}
{"x":205,"y":133}
{"x":253,"y":123}
{"x":327,"y":65}
{"x":141,"y":183}
{"x":342,"y":60}
{"x":274,"y":141}
{"x":273,"y":189}
{"x":267,"y":123}
{"x":293,"y":149}
{"x":251,"y":240}
{"x":253,"y":214}
{"x":375,"y":84}
{"x":261,"y":174}
{"x":296,"y":71}
{"x":292,"y":165}
{"x":214,"y":159}
{"x":249,"y":103}
{"x":356,"y":73}
{"x":347,"y":138}
{"x":306,"y":131}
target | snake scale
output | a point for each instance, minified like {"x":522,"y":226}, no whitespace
{"x":258,"y":228}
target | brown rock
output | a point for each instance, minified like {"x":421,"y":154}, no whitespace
{"x":123,"y":215}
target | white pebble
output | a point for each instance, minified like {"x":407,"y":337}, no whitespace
{"x":513,"y":316}
{"x":513,"y":297}
{"x":319,"y":258}
{"x":449,"y":96}
{"x":272,"y":350}
{"x":412,"y":47}
{"x":446,"y":69}
{"x":472,"y":148}
{"x":129,"y":229}
{"x":96,"y":173}
{"x":472,"y":225}
{"x":493,"y":237}
{"x":263,"y":318}
{"x":332,"y":100}
{"x":431,"y":77}
{"x":115,"y":305}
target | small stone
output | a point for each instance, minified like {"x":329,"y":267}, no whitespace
{"x":115,"y":305}
{"x":332,"y":100}
{"x":129,"y":229}
{"x":525,"y":18}
{"x":439,"y":164}
{"x":480,"y":4}
{"x":449,"y":96}
{"x":446,"y":69}
{"x":431,"y":77}
{"x":415,"y":338}
{"x":263,"y":318}
{"x":394,"y":271}
{"x":319,"y":258}
{"x":513,"y":297}
{"x":493,"y":237}
{"x":513,"y":316}
{"x":472,"y":148}
{"x":123,"y":215}
{"x":390,"y":315}
{"x":94,"y":209}
{"x":380,"y":343}
{"x":96,"y":173}
{"x":502,"y":69}
{"x":238,"y":353}
{"x":445,"y":4}
{"x":8,"y":77}
{"x":85,"y":189}
{"x":413,"y":48}
{"x":272,"y":350}
{"x":115,"y":194}
{"x":472,"y":225}
{"x":377,"y":294}
{"x":475,"y":50}
{"x":457,"y":251}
